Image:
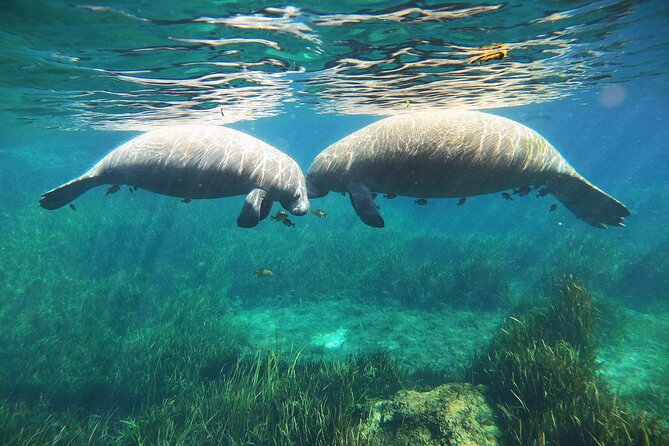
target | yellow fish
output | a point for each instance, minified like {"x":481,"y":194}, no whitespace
{"x":263,"y":272}
{"x":280,"y":216}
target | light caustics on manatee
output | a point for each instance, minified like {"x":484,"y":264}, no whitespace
{"x":452,"y":154}
{"x":194,"y":162}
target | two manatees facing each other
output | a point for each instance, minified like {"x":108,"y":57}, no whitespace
{"x":435,"y":154}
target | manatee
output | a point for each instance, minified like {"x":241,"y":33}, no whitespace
{"x":198,"y":161}
{"x":452,"y":154}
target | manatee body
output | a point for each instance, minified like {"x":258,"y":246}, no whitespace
{"x":197,"y":161}
{"x":452,"y":154}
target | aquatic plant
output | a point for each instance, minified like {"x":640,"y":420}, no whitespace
{"x":267,"y":398}
{"x":645,"y":276}
{"x":595,"y":260}
{"x":119,"y":325}
{"x":540,"y":370}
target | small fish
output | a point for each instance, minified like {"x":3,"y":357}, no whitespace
{"x":186,"y":200}
{"x":461,"y":201}
{"x":113,"y":189}
{"x":288,"y":222}
{"x":222,"y":114}
{"x":320,"y":213}
{"x":406,"y":104}
{"x":390,"y":196}
{"x":543,"y":192}
{"x":553,"y":208}
{"x":72,"y":207}
{"x":492,"y":53}
{"x":421,"y":202}
{"x":263,"y":272}
{"x":507,"y":196}
{"x":280,"y":216}
{"x":522,"y":191}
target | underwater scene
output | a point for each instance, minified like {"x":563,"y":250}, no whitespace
{"x":334,"y":223}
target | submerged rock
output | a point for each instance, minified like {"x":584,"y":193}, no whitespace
{"x":452,"y":414}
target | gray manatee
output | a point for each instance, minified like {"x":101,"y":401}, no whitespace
{"x":451,"y":154}
{"x":197,"y":161}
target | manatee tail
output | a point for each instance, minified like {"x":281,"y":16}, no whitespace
{"x":588,"y":202}
{"x":62,"y":195}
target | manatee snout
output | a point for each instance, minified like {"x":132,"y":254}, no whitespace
{"x":299,"y":206}
{"x":297,"y":201}
{"x":313,"y":190}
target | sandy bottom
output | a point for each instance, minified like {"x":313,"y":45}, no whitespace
{"x":443,"y":339}
{"x":636,"y":364}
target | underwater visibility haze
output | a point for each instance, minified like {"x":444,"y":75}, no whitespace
{"x":466,"y":280}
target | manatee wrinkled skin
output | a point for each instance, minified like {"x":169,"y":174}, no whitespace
{"x":198,"y":161}
{"x":452,"y":154}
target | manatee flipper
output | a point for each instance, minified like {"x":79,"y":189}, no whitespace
{"x":588,"y":202}
{"x":363,"y":203}
{"x":252,"y":210}
{"x":265,"y":208}
{"x":62,"y":195}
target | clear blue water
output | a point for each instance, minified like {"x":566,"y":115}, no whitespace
{"x":85,"y":291}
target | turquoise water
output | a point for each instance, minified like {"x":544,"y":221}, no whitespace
{"x":135,"y":318}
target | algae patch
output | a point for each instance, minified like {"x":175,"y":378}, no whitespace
{"x":451,"y":414}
